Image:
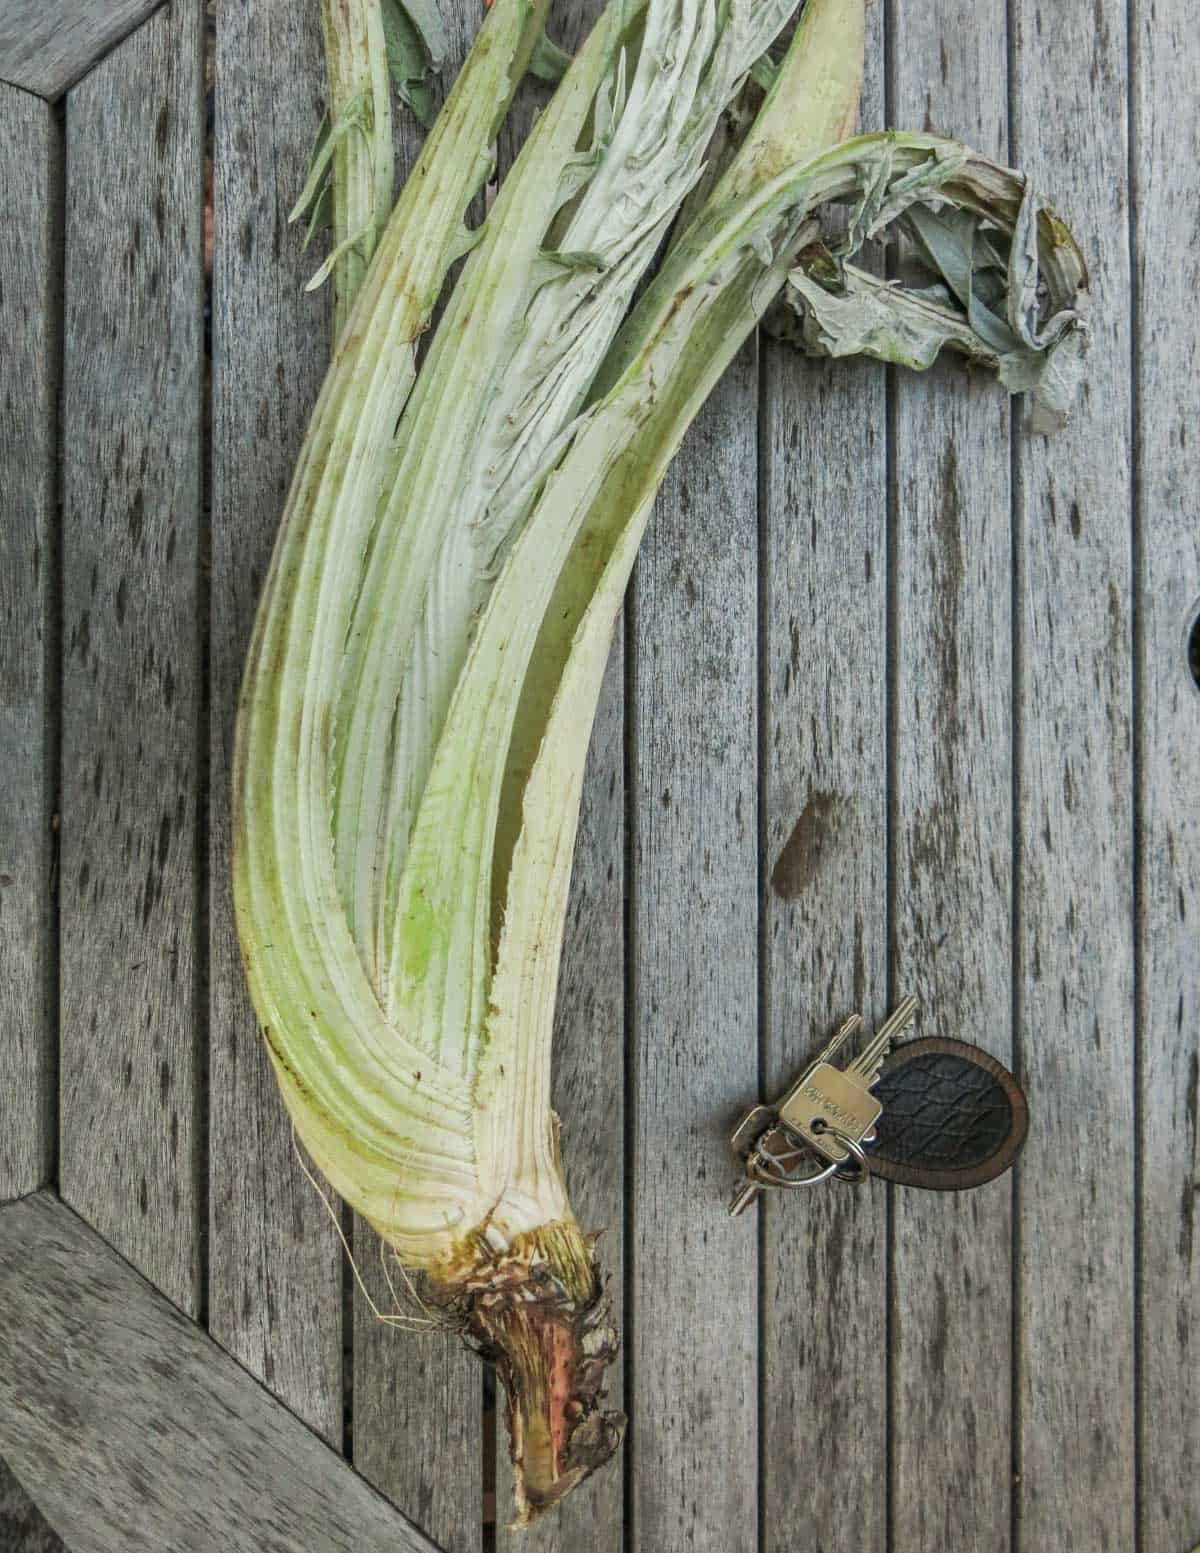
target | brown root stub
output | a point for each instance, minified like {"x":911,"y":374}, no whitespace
{"x":540,"y":1314}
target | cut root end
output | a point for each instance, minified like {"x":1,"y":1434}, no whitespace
{"x":540,"y":1314}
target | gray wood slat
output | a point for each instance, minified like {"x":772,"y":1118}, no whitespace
{"x":23,"y":1527}
{"x":588,"y":1091}
{"x":47,"y":45}
{"x":30,"y":176}
{"x":133,"y":1430}
{"x":692,"y":1323}
{"x":588,"y":1085}
{"x":418,"y":1400}
{"x":1074,"y":1374}
{"x":824,"y":1336}
{"x":131,"y":473}
{"x":952,"y":890}
{"x":1167,"y":150}
{"x":275,"y":1262}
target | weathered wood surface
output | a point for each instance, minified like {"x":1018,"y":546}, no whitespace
{"x":275,"y":1262}
{"x":1166,"y":387}
{"x":952,"y":758}
{"x":30,"y":197}
{"x":691,"y":1321}
{"x":48,"y":45}
{"x":823,"y":749}
{"x":131,"y":752}
{"x":1075,"y":930}
{"x":1019,"y":743}
{"x":133,"y":1430}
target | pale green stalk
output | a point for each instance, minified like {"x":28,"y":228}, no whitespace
{"x":345,"y":1072}
{"x":402,"y":1137}
{"x":489,"y":302}
{"x":530,"y":322}
{"x":359,"y":144}
{"x":369,"y":46}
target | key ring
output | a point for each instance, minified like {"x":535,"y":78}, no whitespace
{"x":757,"y":1159}
{"x":854,"y":1147}
{"x":756,"y":1167}
{"x":758,"y":1170}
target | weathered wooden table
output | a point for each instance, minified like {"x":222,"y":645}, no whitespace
{"x":903,"y":703}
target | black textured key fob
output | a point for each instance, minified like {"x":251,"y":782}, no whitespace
{"x":953,"y":1117}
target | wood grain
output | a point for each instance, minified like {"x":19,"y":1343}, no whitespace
{"x":1167,"y":151}
{"x":952,"y":890}
{"x":692,"y":1316}
{"x":30,"y":192}
{"x":48,"y":45}
{"x":131,"y":482}
{"x":1075,"y":1011}
{"x":824,"y":751}
{"x":275,"y":1262}
{"x":418,"y":1401}
{"x":134,"y":1431}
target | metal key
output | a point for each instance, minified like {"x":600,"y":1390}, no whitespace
{"x":828,"y":1105}
{"x":751,"y":1133}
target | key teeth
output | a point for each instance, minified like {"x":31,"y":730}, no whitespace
{"x":867,"y":1064}
{"x":848,"y":1027}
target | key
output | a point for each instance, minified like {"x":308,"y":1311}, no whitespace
{"x":750,"y":1133}
{"x":867,"y":1064}
{"x":826,"y":1102}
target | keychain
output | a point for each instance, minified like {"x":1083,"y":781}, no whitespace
{"x":935,"y":1113}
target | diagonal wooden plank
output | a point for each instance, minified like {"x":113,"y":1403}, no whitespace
{"x":1075,"y":1008}
{"x":824,"y":751}
{"x":133,"y":1430}
{"x":692,"y":1315}
{"x":1166,"y":152}
{"x":275,"y":1262}
{"x":952,"y":889}
{"x":46,"y":46}
{"x":133,"y":360}
{"x":30,"y":193}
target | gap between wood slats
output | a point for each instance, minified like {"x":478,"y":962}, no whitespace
{"x":200,"y":989}
{"x":1136,"y":713}
{"x":1138,"y":703}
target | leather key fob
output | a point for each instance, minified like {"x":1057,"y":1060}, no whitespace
{"x":953,"y":1117}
